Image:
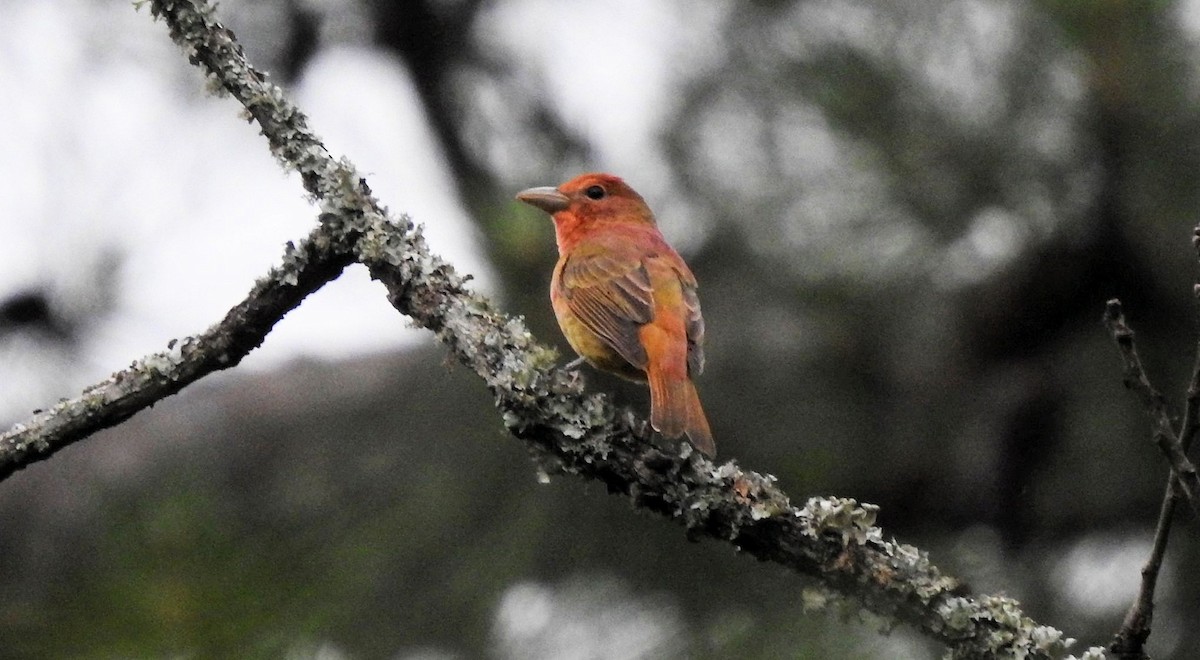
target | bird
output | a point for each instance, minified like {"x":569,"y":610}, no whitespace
{"x":625,"y":300}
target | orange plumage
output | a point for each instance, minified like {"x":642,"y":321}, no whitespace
{"x":625,"y":300}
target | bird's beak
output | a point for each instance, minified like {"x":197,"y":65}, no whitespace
{"x":545,"y":198}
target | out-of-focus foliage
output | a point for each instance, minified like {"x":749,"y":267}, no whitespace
{"x":905,"y":218}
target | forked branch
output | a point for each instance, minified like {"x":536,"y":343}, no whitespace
{"x":1154,"y":402}
{"x":1130,"y":641}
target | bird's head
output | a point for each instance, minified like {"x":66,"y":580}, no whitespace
{"x":589,"y":199}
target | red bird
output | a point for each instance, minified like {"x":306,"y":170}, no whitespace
{"x":625,"y":300}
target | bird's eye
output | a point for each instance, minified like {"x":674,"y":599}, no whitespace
{"x":595,"y":192}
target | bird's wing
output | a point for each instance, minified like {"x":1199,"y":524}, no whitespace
{"x":612,"y":296}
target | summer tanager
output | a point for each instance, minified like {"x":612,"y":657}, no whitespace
{"x":625,"y":300}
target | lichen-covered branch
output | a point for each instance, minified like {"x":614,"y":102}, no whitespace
{"x":831,"y":539}
{"x":569,"y":432}
{"x":1154,"y":402}
{"x":304,"y":269}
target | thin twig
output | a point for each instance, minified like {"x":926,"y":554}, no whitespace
{"x":1154,"y":402}
{"x":1130,"y":641}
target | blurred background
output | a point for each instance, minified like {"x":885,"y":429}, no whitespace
{"x":905,"y":218}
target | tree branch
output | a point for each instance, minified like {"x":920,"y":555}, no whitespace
{"x":831,"y":539}
{"x":1153,"y":400}
{"x":1130,"y":641}
{"x":304,"y":269}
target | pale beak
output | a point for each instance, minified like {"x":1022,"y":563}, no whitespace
{"x":545,"y":198}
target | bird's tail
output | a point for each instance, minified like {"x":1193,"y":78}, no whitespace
{"x":675,"y":410}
